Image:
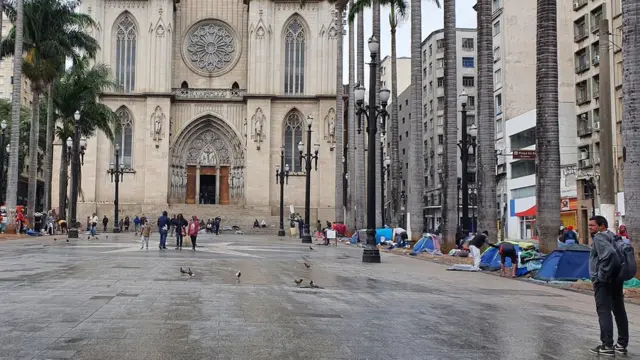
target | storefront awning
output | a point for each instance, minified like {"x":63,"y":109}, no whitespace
{"x":529,"y":212}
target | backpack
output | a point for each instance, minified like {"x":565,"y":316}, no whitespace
{"x":627,"y":259}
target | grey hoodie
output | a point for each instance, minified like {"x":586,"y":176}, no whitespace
{"x":603,"y":258}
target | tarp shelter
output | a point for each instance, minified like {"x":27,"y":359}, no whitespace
{"x":490,"y":260}
{"x":386,"y":232}
{"x":568,"y":264}
{"x":427,"y":243}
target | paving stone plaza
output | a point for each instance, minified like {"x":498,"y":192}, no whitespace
{"x":107,"y":299}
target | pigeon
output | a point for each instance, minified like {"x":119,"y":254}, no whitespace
{"x":182,"y":270}
{"x":307,"y":265}
{"x":312,"y":285}
{"x":238,"y":274}
{"x":298,"y":282}
{"x":190,"y":272}
{"x":54,"y":239}
{"x":312,"y":249}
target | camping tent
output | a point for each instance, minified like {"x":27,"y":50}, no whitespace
{"x":490,"y":260}
{"x":427,"y":243}
{"x":386,"y":232}
{"x":568,"y":264}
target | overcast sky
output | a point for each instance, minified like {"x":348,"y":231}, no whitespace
{"x":432,"y":19}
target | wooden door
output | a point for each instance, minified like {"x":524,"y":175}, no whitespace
{"x":207,"y":170}
{"x":191,"y":185}
{"x":224,"y":185}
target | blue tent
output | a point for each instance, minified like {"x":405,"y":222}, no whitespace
{"x":568,"y":264}
{"x":424,"y":244}
{"x":386,"y":232}
{"x":490,"y":260}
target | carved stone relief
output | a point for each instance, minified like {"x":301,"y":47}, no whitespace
{"x":330,"y":126}
{"x":157,"y":124}
{"x":211,"y":48}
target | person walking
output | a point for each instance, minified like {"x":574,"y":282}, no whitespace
{"x":194,"y":227}
{"x":163,"y":228}
{"x":94,"y":226}
{"x":136,"y":224}
{"x":180,"y":228}
{"x":145,"y":232}
{"x":604,"y":265}
{"x":105,"y":221}
{"x":173,"y":224}
{"x":475,"y":244}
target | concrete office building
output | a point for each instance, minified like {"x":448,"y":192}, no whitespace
{"x":403,"y":66}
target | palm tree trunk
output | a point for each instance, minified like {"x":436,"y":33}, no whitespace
{"x":359,"y":150}
{"x":48,"y":161}
{"x":396,"y":172}
{"x":63,"y":182}
{"x":450,"y":204}
{"x":13,"y":172}
{"x":34,"y":133}
{"x":631,"y":111}
{"x":378,"y":145}
{"x":486,"y":178}
{"x":351,"y":159}
{"x":416,"y":161}
{"x":339,"y":128}
{"x":547,"y":132}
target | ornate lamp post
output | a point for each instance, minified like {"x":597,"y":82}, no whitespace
{"x":385,"y":165}
{"x":306,"y":160}
{"x":116,"y":172}
{"x":282,"y":177}
{"x":75,"y":152}
{"x":371,"y":253}
{"x":467,"y":141}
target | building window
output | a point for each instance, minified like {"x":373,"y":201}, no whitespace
{"x":498,"y":128}
{"x":582,"y":60}
{"x":498,"y":77}
{"x":471,"y":119}
{"x":440,"y":45}
{"x":582,"y":92}
{"x":439,"y":63}
{"x":471,"y":101}
{"x":430,"y":50}
{"x":468,"y":62}
{"x":468,"y":81}
{"x":496,"y":54}
{"x":294,"y":58}
{"x":498,"y":104}
{"x":440,"y":139}
{"x":496,"y":28}
{"x":467,"y":44}
{"x":522,"y":168}
{"x":523,"y":139}
{"x":440,"y":82}
{"x":126,"y":37}
{"x":440,"y":103}
{"x":292,"y":136}
{"x":123,"y":136}
{"x":441,"y":120}
{"x":524,"y":192}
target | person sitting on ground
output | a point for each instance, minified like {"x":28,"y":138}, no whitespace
{"x":263,"y":224}
{"x":474,"y":246}
{"x":256,"y":224}
{"x":569,"y":236}
{"x":622,"y":232}
{"x":507,"y":250}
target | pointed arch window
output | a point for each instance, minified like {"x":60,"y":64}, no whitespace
{"x":292,"y":136}
{"x":294,"y":58}
{"x":126,"y":44}
{"x":123,"y":135}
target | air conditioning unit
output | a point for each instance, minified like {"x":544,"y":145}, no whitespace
{"x":596,"y":60}
{"x":596,"y":125}
{"x":576,"y":4}
{"x":584,"y":155}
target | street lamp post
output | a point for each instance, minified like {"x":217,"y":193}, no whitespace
{"x":117,"y":173}
{"x":3,"y":126}
{"x":306,"y":160}
{"x":282,"y":177}
{"x":75,"y":168}
{"x":591,"y":185}
{"x":371,"y":253}
{"x":467,"y":141}
{"x":385,"y":165}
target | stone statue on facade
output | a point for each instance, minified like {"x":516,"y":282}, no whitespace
{"x":157,"y":124}
{"x":258,"y":120}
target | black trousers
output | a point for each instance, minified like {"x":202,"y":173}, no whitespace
{"x":193,"y":241}
{"x":610,"y":299}
{"x":179,"y":239}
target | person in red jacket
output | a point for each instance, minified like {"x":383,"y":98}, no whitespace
{"x":194,"y":227}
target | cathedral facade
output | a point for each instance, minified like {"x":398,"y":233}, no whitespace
{"x":210,"y":92}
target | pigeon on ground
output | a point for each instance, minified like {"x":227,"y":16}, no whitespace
{"x":298,"y":282}
{"x":312,"y":285}
{"x":306,"y":265}
{"x":182,"y":270}
{"x":190,"y":272}
{"x":54,"y":239}
{"x":238,"y":274}
{"x":312,"y":249}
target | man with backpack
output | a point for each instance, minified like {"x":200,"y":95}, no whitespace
{"x":609,"y":267}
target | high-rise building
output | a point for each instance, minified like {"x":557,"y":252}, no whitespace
{"x":403,"y":66}
{"x":433,"y":112}
{"x":6,"y":73}
{"x":588,"y":58}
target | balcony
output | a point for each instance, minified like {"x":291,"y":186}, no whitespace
{"x":582,"y":99}
{"x":582,"y":65}
{"x":578,"y":4}
{"x":584,"y":163}
{"x":581,"y":32}
{"x":584,"y":128}
{"x":595,"y":21}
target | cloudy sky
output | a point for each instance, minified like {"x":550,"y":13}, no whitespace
{"x":432,"y":19}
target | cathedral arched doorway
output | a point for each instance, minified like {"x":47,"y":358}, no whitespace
{"x":207,"y":164}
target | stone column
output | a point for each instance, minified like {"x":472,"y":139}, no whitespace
{"x":217,"y":185}
{"x":198,"y":184}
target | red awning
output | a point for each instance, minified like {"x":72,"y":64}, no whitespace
{"x":529,"y":212}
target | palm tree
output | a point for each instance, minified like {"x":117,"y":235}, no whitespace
{"x":79,"y":88}
{"x":52,"y":32}
{"x":25,"y":124}
{"x":13,"y":169}
{"x":48,"y":161}
{"x":339,"y":129}
{"x":486,"y":114}
{"x":547,"y":132}
{"x":396,"y":173}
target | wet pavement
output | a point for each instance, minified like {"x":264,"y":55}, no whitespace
{"x":107,"y":299}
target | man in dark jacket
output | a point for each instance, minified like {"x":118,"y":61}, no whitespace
{"x":163,"y":227}
{"x":474,"y":246}
{"x":603,"y":264}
